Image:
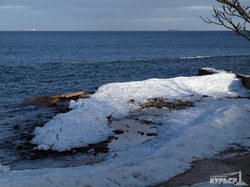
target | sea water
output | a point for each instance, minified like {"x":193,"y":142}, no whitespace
{"x":47,"y":63}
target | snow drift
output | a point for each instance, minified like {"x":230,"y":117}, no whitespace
{"x":87,"y":123}
{"x":186,"y":135}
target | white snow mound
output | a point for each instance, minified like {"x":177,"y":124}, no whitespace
{"x":186,"y":135}
{"x":87,"y":123}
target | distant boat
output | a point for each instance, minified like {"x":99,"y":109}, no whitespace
{"x":29,"y":29}
{"x":173,"y":30}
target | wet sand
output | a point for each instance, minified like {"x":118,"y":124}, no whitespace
{"x":202,"y":170}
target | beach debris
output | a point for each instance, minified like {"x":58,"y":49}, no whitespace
{"x":245,"y":80}
{"x":53,"y":99}
{"x":118,"y":131}
{"x":160,"y":102}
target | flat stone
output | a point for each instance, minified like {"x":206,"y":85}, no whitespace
{"x":245,"y":80}
{"x":43,"y":101}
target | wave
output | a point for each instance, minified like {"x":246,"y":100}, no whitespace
{"x":149,"y":60}
{"x":158,"y":59}
{"x":194,"y":57}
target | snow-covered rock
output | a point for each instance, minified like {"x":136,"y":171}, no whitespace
{"x":184,"y":135}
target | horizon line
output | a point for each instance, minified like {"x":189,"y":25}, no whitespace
{"x":169,"y":30}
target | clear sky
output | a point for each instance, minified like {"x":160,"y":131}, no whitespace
{"x":106,"y":15}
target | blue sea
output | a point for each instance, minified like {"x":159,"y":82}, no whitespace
{"x":47,"y":63}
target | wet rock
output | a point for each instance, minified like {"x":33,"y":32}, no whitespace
{"x":207,"y":71}
{"x":205,"y":96}
{"x":53,"y":99}
{"x":147,"y":122}
{"x":85,"y":96}
{"x":159,"y":103}
{"x":237,"y":97}
{"x":30,"y":137}
{"x":63,"y":109}
{"x":19,"y":147}
{"x":118,"y":131}
{"x":109,"y":118}
{"x":245,"y":80}
{"x":16,"y":127}
{"x":43,"y":101}
{"x":131,"y":101}
{"x":100,"y":148}
{"x":234,"y":148}
{"x":141,"y":133}
{"x":151,"y":134}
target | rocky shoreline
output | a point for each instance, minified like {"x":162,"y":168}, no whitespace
{"x":200,"y":171}
{"x":203,"y":169}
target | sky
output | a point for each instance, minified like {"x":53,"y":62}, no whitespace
{"x":106,"y":15}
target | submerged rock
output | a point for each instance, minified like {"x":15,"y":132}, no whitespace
{"x":43,"y":101}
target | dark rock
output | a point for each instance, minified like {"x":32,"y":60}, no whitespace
{"x":207,"y":71}
{"x":84,"y":96}
{"x":63,"y":109}
{"x":147,"y":122}
{"x":151,"y":134}
{"x":19,"y":147}
{"x":53,"y":99}
{"x":160,"y":103}
{"x":109,"y":118}
{"x":131,"y":101}
{"x":205,"y":96}
{"x":16,"y":127}
{"x":245,"y":80}
{"x":30,"y":137}
{"x":43,"y":101}
{"x":237,"y":97}
{"x":118,"y":131}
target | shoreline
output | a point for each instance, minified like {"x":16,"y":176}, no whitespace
{"x":201,"y":170}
